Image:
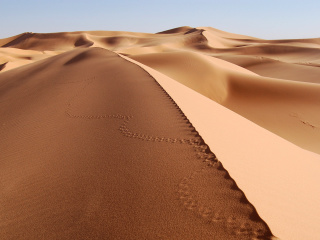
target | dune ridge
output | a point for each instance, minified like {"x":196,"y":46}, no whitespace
{"x":96,"y":187}
{"x":290,"y":60}
{"x":100,"y":139}
{"x":277,"y":177}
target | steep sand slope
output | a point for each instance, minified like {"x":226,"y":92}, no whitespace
{"x":93,"y":148}
{"x":126,"y":42}
{"x":47,"y":121}
{"x":280,"y":178}
{"x":4,"y":41}
{"x":276,"y":69}
{"x":303,"y":51}
{"x":13,"y":57}
{"x":217,"y":39}
{"x":206,"y":75}
{"x":290,"y":109}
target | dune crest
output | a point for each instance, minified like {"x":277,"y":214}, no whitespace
{"x":279,"y":178}
{"x":99,"y":137}
{"x":125,"y":155}
{"x":178,"y":53}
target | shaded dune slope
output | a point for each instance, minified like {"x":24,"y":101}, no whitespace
{"x":48,"y":41}
{"x":64,"y":174}
{"x":278,"y":177}
{"x":183,"y":29}
{"x":126,"y":41}
{"x":4,"y":41}
{"x":63,"y":169}
{"x":277,"y":105}
{"x":276,"y":69}
{"x":177,"y":52}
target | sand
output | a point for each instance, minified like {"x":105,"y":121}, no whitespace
{"x":277,"y":176}
{"x":190,"y":133}
{"x":287,"y":108}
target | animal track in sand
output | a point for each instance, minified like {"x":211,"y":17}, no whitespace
{"x":186,"y":193}
{"x":216,"y":215}
{"x":305,"y":122}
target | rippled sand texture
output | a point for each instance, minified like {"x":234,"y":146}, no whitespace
{"x":91,"y":151}
{"x":283,"y":70}
{"x":103,"y":138}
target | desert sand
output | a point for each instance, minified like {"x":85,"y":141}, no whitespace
{"x":190,"y":133}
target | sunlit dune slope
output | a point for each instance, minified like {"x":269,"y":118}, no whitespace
{"x":122,"y":134}
{"x":277,"y":176}
{"x":189,"y":56}
{"x":276,"y":69}
{"x":287,"y":108}
{"x":92,"y":146}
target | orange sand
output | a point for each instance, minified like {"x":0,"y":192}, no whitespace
{"x":93,"y":147}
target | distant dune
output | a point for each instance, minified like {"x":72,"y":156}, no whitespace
{"x":189,"y":133}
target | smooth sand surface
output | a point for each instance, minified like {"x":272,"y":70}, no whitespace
{"x":278,"y":177}
{"x":290,"y":109}
{"x":94,"y":148}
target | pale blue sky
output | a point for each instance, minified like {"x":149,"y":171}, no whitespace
{"x":269,"y":19}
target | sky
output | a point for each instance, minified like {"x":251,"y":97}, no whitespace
{"x":268,"y":19}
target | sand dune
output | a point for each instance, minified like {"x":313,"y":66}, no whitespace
{"x":93,"y":146}
{"x":99,"y":161}
{"x":181,"y":52}
{"x":4,"y":41}
{"x":287,"y":108}
{"x":275,"y":69}
{"x":279,"y":178}
{"x":14,"y":57}
{"x":203,"y":74}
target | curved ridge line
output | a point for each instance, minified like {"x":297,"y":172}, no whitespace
{"x":202,"y":151}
